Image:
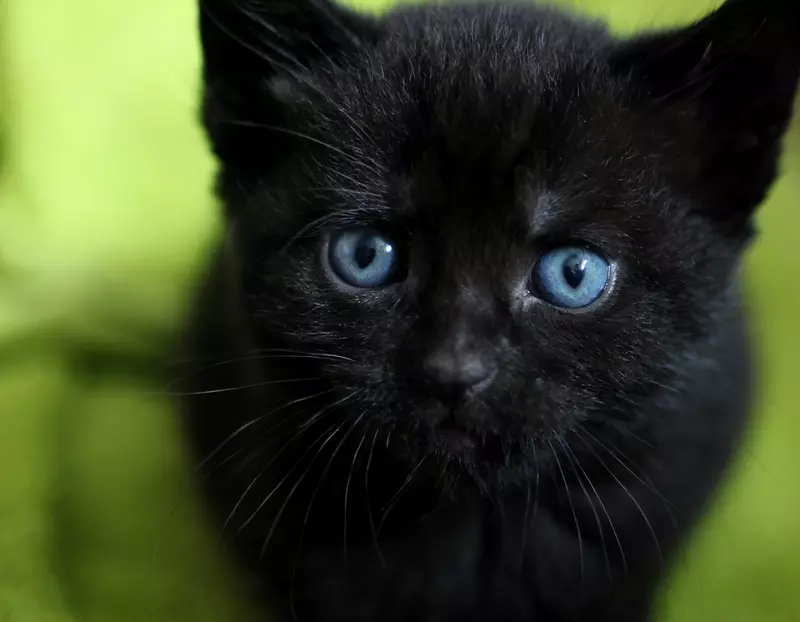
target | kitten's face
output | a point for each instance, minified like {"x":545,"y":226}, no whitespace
{"x":494,"y":223}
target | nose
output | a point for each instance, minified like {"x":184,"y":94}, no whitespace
{"x":458,"y":373}
{"x":461,"y":358}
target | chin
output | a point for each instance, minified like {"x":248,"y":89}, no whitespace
{"x":459,"y":458}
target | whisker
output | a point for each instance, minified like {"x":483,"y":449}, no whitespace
{"x":650,"y":446}
{"x":627,"y":492}
{"x":389,"y":506}
{"x":334,"y":453}
{"x":278,"y":516}
{"x":647,"y":484}
{"x":389,"y":437}
{"x":369,"y":504}
{"x":263,"y":470}
{"x":314,"y":419}
{"x":536,"y":493}
{"x":570,"y":455}
{"x":524,"y":538}
{"x":347,"y":493}
{"x":669,"y":506}
{"x":441,"y":474}
{"x":253,"y":422}
{"x":572,"y":508}
{"x":225,"y":461}
{"x":321,"y":479}
{"x":267,"y":383}
{"x":277,"y":486}
{"x":605,"y":510}
{"x":306,"y":353}
{"x":254,"y":357}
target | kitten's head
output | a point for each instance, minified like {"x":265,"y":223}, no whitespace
{"x":494,"y":224}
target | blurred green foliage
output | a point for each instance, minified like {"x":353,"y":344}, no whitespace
{"x":105,"y":217}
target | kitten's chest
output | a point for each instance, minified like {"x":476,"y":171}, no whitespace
{"x":464,"y":565}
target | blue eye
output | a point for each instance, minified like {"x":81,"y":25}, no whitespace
{"x":570,"y":277}
{"x":364,"y":258}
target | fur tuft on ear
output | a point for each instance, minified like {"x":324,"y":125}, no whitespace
{"x":731,"y":80}
{"x":255,"y":52}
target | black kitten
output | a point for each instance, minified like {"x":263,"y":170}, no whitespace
{"x":474,"y":348}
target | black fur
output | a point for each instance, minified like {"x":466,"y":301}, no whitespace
{"x":358,"y":484}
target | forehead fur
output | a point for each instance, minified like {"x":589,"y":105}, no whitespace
{"x":448,"y":104}
{"x":469,"y":84}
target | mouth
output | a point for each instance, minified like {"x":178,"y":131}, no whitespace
{"x":456,"y":438}
{"x":466,"y":443}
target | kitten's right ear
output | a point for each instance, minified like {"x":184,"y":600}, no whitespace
{"x":729,"y":81}
{"x":254,"y":50}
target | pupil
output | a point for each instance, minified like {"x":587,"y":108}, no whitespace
{"x":365,"y":254}
{"x":574,"y":270}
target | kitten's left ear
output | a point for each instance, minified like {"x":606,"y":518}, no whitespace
{"x":732,"y":77}
{"x":256,"y":52}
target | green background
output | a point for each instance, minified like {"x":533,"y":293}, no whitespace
{"x":105,"y":214}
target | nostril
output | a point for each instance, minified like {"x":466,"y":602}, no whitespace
{"x":460,"y":373}
{"x":472,"y":371}
{"x":485,"y":381}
